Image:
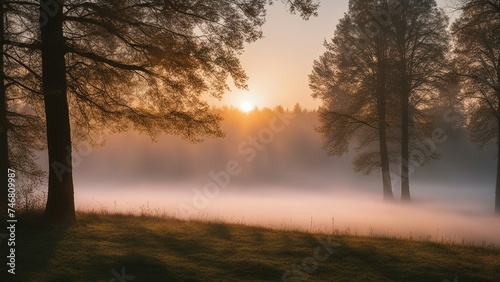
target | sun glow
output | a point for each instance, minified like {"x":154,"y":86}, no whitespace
{"x":246,"y":107}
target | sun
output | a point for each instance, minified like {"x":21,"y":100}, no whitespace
{"x":246,"y":107}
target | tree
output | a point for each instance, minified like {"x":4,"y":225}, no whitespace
{"x":142,"y":65}
{"x":379,"y":79}
{"x":60,"y":198}
{"x":351,"y":78}
{"x":297,"y":109}
{"x":4,"y":147}
{"x":421,"y":42}
{"x":21,"y":128}
{"x":477,"y":55}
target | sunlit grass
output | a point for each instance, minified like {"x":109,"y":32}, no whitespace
{"x":163,"y":248}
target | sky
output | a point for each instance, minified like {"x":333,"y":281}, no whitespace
{"x":279,"y":64}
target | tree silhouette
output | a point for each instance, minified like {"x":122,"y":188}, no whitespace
{"x":123,"y":65}
{"x":421,"y":43}
{"x":297,"y":109}
{"x":4,"y":145}
{"x":477,"y":53}
{"x":379,"y":80}
{"x":21,"y":127}
{"x":351,"y":78}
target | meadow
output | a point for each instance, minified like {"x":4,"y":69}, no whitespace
{"x":127,"y":247}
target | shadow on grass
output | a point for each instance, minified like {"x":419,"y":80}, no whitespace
{"x":255,"y":270}
{"x":36,"y":243}
{"x":412,"y":261}
{"x":108,"y":246}
{"x":219,"y":230}
{"x":137,"y":267}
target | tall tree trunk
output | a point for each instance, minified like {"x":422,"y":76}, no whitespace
{"x":405,"y":138}
{"x":384,"y":152}
{"x":4,"y":145}
{"x":381,"y":108}
{"x":60,"y":207}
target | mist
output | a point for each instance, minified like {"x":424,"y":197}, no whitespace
{"x":271,"y":171}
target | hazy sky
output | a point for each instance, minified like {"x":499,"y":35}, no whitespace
{"x":279,"y":64}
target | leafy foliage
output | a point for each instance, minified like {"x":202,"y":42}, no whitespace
{"x":410,"y":39}
{"x":477,"y":53}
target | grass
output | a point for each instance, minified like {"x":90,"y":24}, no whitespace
{"x":168,"y":249}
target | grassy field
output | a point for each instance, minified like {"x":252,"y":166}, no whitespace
{"x":129,"y":248}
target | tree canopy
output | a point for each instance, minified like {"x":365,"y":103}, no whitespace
{"x":119,"y":65}
{"x":378,"y":79}
{"x":477,"y":56}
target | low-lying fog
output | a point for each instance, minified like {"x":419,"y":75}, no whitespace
{"x":290,"y":210}
{"x":272,"y":172}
